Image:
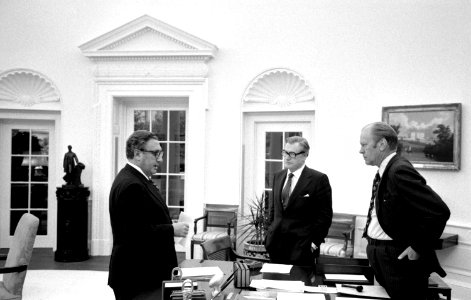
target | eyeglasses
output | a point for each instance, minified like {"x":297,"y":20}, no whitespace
{"x":157,"y":154}
{"x":291,"y":154}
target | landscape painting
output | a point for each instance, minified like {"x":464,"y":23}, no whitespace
{"x":429,"y":135}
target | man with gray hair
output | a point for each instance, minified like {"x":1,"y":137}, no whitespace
{"x":405,"y":218}
{"x":143,"y":252}
{"x":300,"y":206}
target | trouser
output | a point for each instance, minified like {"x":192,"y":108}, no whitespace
{"x":126,"y":294}
{"x":402,"y":278}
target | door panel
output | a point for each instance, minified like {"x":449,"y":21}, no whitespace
{"x":167,"y":119}
{"x":25,"y":180}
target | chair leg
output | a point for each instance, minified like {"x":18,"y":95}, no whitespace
{"x":192,"y":250}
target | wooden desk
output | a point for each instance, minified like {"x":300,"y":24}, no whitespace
{"x":305,"y":274}
{"x":446,"y":240}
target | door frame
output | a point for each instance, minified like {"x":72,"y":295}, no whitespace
{"x":251,"y":178}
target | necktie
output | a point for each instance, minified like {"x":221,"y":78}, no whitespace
{"x":286,"y":191}
{"x":372,"y":202}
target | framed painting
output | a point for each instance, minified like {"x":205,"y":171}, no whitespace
{"x":429,"y":135}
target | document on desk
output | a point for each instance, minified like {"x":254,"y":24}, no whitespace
{"x":200,"y":272}
{"x":299,"y":296}
{"x":185,"y":218}
{"x":320,"y":289}
{"x":279,"y":285}
{"x":370,"y":291}
{"x":276,"y":268}
{"x":346,"y":277}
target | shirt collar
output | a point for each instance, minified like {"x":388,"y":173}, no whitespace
{"x":384,"y":163}
{"x":298,"y":172}
{"x":138,"y":169}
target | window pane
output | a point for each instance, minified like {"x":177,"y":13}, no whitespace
{"x":42,"y":216}
{"x":19,"y":195}
{"x":159,"y":124}
{"x":39,"y":142}
{"x":141,"y":120}
{"x":15,"y":218}
{"x":177,"y":125}
{"x":39,"y":196}
{"x":176,"y":190}
{"x":39,"y":168}
{"x":176,"y":157}
{"x":274,"y":145}
{"x":271,"y":167}
{"x":19,"y":168}
{"x":290,"y":134}
{"x":19,"y":141}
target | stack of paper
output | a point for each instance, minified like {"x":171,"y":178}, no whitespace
{"x":278,"y":285}
{"x":276,"y":268}
{"x":299,"y":296}
{"x":370,"y":291}
{"x":201,"y":273}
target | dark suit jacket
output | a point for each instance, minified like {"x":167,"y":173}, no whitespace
{"x":409,"y":211}
{"x":307,"y":218}
{"x":143,"y":238}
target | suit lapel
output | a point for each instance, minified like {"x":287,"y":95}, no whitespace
{"x":303,"y":180}
{"x":383,"y":181}
{"x":149,"y":185}
{"x":278,"y":188}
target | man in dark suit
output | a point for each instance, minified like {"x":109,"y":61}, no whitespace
{"x":405,"y":218}
{"x":300,"y":208}
{"x":143,"y":252}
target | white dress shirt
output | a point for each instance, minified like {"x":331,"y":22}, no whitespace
{"x":374,"y":229}
{"x":294,"y":180}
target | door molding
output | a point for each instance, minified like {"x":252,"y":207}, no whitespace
{"x":52,"y":121}
{"x":250,"y":175}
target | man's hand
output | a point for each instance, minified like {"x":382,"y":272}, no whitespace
{"x":410,"y":253}
{"x":180,"y":229}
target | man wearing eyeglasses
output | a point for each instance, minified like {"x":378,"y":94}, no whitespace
{"x":143,"y":252}
{"x":300,"y":207}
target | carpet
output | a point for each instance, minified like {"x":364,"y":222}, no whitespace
{"x":70,"y":285}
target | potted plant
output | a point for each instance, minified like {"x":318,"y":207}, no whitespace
{"x":254,"y":227}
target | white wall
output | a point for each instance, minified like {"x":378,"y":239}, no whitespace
{"x":357,"y":55}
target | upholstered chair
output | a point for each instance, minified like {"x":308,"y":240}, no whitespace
{"x":19,"y":255}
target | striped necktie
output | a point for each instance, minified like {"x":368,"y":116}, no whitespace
{"x":372,"y":202}
{"x":286,"y":191}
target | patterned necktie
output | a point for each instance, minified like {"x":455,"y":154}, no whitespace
{"x":372,"y":202}
{"x":286,"y":191}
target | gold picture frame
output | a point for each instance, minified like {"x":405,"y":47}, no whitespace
{"x":429,"y":135}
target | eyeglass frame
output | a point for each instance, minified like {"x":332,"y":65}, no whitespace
{"x":291,"y":154}
{"x":156,"y":154}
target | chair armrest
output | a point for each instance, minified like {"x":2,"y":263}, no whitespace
{"x":13,"y":269}
{"x":195,"y":226}
{"x":238,"y":256}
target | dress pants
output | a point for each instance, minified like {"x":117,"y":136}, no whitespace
{"x":125,"y":294}
{"x":403,"y":279}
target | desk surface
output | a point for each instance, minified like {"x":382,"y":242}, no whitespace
{"x":304,"y":274}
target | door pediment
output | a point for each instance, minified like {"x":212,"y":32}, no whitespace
{"x":147,"y":37}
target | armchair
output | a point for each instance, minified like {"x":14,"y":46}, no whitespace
{"x":221,"y":249}
{"x":18,"y":258}
{"x":339,"y":240}
{"x":218,"y":220}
